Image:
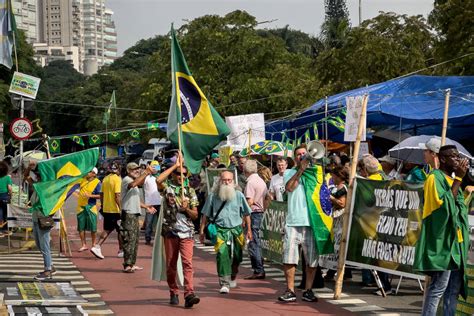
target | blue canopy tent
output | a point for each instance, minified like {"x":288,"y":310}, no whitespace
{"x":412,"y":104}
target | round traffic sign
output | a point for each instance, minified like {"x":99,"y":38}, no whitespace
{"x":21,"y":128}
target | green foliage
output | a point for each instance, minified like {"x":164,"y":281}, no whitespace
{"x":382,"y":48}
{"x":336,"y":24}
{"x":454,"y":22}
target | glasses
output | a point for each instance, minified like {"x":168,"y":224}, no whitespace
{"x":178,"y":173}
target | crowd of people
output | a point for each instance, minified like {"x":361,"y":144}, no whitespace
{"x":229,"y":216}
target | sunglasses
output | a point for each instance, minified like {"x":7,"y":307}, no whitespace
{"x":178,"y":173}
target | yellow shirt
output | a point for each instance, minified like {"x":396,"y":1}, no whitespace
{"x":375,"y":176}
{"x":87,"y":187}
{"x":111,"y":185}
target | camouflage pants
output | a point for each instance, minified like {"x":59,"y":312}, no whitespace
{"x":130,"y":233}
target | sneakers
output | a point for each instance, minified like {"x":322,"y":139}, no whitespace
{"x":174,"y":299}
{"x":45,"y":275}
{"x":224,"y":290}
{"x":379,"y":292}
{"x":120,"y":254}
{"x":191,"y":300}
{"x":53,"y":270}
{"x":233,"y":284}
{"x":288,"y":296}
{"x":308,"y":296}
{"x":96,"y":251}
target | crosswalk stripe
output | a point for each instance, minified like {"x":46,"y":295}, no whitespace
{"x":80,"y":282}
{"x":329,"y":295}
{"x":84,"y":289}
{"x":367,"y":308}
{"x":38,"y":265}
{"x":283,"y":279}
{"x":99,"y":312}
{"x":388,"y":314}
{"x":59,"y":272}
{"x":30,"y":277}
{"x":347,"y":301}
{"x":38,"y":261}
{"x":90,"y":295}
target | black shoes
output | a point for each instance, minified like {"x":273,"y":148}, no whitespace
{"x":191,"y":300}
{"x":174,"y":299}
{"x":288,"y":296}
{"x":308,"y":296}
{"x":259,"y":276}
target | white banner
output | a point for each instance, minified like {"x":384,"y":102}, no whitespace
{"x":330,"y":261}
{"x":239,"y":129}
{"x":354,"y":110}
{"x":19,"y":216}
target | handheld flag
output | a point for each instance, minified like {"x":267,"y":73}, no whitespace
{"x":78,"y":140}
{"x":8,"y":27}
{"x":60,"y":177}
{"x":191,"y":115}
{"x":54,"y":146}
{"x":95,"y":140}
{"x":319,"y":208}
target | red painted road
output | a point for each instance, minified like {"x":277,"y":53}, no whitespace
{"x":128,"y":294}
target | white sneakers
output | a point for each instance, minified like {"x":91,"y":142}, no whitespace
{"x":120,"y":254}
{"x":224,"y":290}
{"x":233,"y":284}
{"x":97,"y":252}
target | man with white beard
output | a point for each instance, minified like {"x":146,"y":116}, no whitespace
{"x":228,"y":209}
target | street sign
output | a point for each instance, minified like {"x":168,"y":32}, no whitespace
{"x":21,"y":128}
{"x":24,"y":85}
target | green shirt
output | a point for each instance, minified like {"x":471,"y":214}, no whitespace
{"x":232,"y":213}
{"x":4,"y":183}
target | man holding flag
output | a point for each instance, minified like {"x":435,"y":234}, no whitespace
{"x":308,"y":222}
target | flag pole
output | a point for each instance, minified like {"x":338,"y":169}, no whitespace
{"x":445,"y":117}
{"x":347,"y":208}
{"x":180,"y":145}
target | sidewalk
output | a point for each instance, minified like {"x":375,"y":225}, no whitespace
{"x":127,"y":294}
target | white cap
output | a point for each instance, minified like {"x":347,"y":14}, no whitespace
{"x":434,"y":144}
{"x":94,"y":170}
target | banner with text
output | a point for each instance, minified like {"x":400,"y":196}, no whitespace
{"x":240,"y":125}
{"x":385,"y":226}
{"x":272,"y":229}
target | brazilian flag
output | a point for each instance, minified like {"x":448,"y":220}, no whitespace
{"x":191,"y":113}
{"x":60,"y":177}
{"x":338,"y":123}
{"x":153,"y":126}
{"x":114,"y":136}
{"x":95,"y":140}
{"x":315,"y":131}
{"x":307,"y":136}
{"x":54,"y":146}
{"x":78,"y":140}
{"x":135,"y":134}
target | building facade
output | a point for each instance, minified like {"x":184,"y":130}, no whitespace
{"x":25,"y":12}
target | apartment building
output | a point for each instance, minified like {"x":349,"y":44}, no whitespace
{"x":25,"y":12}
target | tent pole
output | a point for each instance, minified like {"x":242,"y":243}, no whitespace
{"x":347,"y":208}
{"x":445,"y":117}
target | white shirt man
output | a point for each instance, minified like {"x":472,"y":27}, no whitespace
{"x":277,"y":183}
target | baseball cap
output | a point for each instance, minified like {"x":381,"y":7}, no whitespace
{"x":154,"y":163}
{"x":388,"y":159}
{"x":94,"y":170}
{"x":132,"y":166}
{"x":434,"y":144}
{"x":214,"y":155}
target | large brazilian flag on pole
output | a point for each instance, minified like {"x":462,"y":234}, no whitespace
{"x":60,"y":177}
{"x":319,"y":208}
{"x":191,"y":114}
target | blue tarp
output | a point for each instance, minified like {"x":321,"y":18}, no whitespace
{"x":413,"y":103}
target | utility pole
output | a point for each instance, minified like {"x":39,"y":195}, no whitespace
{"x":360,"y":12}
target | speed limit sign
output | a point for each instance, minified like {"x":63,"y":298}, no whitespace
{"x":21,"y":128}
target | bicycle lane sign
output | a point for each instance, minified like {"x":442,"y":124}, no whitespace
{"x":21,"y":128}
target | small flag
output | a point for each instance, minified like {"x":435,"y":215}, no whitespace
{"x":337,"y":124}
{"x":135,"y":134}
{"x":307,"y":136}
{"x":54,"y":146}
{"x":315,"y":131}
{"x":114,"y":136}
{"x":95,"y":139}
{"x":78,"y":140}
{"x":7,"y":28}
{"x":153,"y":126}
{"x":283,"y":136}
{"x":112,"y":104}
{"x":298,"y":142}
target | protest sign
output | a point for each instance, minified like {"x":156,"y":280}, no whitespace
{"x":385,"y":224}
{"x":239,"y":129}
{"x":19,"y":216}
{"x":354,"y":111}
{"x":273,"y":227}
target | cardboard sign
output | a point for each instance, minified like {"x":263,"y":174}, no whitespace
{"x":239,"y":129}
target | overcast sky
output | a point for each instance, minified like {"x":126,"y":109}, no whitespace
{"x":139,"y":19}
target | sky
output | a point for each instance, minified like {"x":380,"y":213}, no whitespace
{"x":141,"y":19}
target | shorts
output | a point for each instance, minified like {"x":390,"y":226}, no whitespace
{"x":87,"y":220}
{"x":111,"y":221}
{"x":299,"y":236}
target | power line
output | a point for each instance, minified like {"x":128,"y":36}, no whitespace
{"x":101,"y":106}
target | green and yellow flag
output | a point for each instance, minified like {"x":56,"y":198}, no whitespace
{"x":135,"y":134}
{"x":95,"y":140}
{"x":54,"y":146}
{"x":78,"y":140}
{"x":307,"y":136}
{"x":7,"y":29}
{"x":315,"y":131}
{"x":114,"y":136}
{"x":319,"y":208}
{"x":153,"y":126}
{"x":191,"y":114}
{"x":60,"y":177}
{"x":112,"y":104}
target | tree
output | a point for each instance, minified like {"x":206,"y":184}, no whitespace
{"x":336,"y":24}
{"x":382,"y":48}
{"x":454,"y":23}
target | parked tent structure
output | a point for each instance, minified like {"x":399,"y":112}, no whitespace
{"x":412,"y":104}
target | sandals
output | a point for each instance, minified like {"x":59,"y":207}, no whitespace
{"x":137,"y":268}
{"x":84,"y":248}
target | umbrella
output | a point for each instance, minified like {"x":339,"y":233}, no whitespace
{"x":409,"y":150}
{"x":266,"y":147}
